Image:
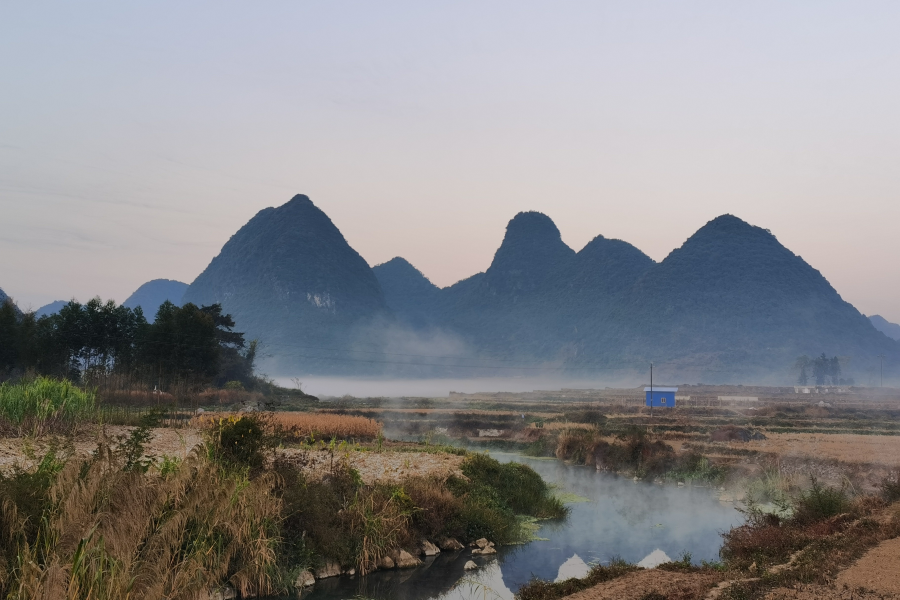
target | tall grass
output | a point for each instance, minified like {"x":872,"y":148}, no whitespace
{"x":44,"y":404}
{"x":94,"y":531}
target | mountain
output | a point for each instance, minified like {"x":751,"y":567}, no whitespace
{"x":731,"y":304}
{"x":735,"y":297}
{"x":151,"y":295}
{"x":289,"y":278}
{"x":892,"y":330}
{"x":513,"y":309}
{"x":50,"y":309}
{"x":408,"y":293}
{"x":4,"y":298}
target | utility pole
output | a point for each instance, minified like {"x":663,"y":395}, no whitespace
{"x":651,"y":392}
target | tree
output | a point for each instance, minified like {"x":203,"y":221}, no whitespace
{"x":9,"y":336}
{"x":182,"y":345}
{"x":236,"y":356}
{"x":802,"y":364}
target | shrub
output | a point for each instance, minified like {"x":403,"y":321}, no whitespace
{"x":820,"y":502}
{"x":890,"y":488}
{"x":577,"y":445}
{"x":239,"y":440}
{"x":517,"y":486}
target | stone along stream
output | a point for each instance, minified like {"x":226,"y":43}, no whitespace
{"x":639,"y":522}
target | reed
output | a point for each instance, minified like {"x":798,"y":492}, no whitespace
{"x":108,"y":533}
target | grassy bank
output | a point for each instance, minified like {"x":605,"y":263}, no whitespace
{"x":118,"y":525}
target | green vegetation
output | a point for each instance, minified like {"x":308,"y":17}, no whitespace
{"x":43,"y":405}
{"x":94,"y":342}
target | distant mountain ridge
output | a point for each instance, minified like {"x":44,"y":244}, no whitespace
{"x":50,"y":309}
{"x":731,"y":299}
{"x":151,"y":295}
{"x":892,"y":330}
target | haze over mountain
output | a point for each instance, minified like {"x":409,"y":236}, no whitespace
{"x":154,"y":293}
{"x":892,"y":330}
{"x":730,"y":302}
{"x":50,"y":309}
{"x":409,"y":294}
{"x":290,"y":279}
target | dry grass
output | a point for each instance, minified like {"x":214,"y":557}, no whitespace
{"x":848,"y":448}
{"x":107,"y":533}
{"x":558,"y":426}
{"x":306,"y":426}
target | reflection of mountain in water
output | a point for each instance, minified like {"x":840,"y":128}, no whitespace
{"x":654,"y":559}
{"x":574,"y":567}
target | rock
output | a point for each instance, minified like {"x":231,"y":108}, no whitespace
{"x":222,"y":593}
{"x":386,"y":562}
{"x":476,"y":552}
{"x":429,"y":549}
{"x":351,"y":571}
{"x":331,"y":569}
{"x":482,"y":543}
{"x":488,"y":550}
{"x":305,"y":579}
{"x":450,"y":544}
{"x":753,"y":567}
{"x":405,"y":560}
{"x":470,"y":566}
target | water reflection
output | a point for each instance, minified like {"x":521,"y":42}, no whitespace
{"x":638,"y":522}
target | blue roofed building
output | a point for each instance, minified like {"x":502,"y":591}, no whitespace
{"x":661,"y":396}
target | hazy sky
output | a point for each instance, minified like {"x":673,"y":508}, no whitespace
{"x":136,"y":137}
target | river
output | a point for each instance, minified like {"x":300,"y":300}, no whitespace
{"x":640,"y":522}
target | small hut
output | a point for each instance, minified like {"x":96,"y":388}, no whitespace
{"x":660,"y":396}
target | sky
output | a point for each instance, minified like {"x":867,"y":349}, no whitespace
{"x":136,"y":138}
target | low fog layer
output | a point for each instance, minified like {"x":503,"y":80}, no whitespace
{"x":434,"y":388}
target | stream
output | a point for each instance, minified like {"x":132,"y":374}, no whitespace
{"x":639,"y":522}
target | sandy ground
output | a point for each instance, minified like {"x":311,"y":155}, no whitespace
{"x":24,"y":452}
{"x":877,"y":570}
{"x":377,"y":466}
{"x":672,"y":585}
{"x":822,"y":592}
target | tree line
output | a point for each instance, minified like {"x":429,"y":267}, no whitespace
{"x":189,"y":345}
{"x":821,"y":369}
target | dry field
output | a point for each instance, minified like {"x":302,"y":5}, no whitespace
{"x":299,"y":425}
{"x":882,"y":450}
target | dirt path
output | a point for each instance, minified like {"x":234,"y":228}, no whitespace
{"x":875,"y":576}
{"x":634,"y":586}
